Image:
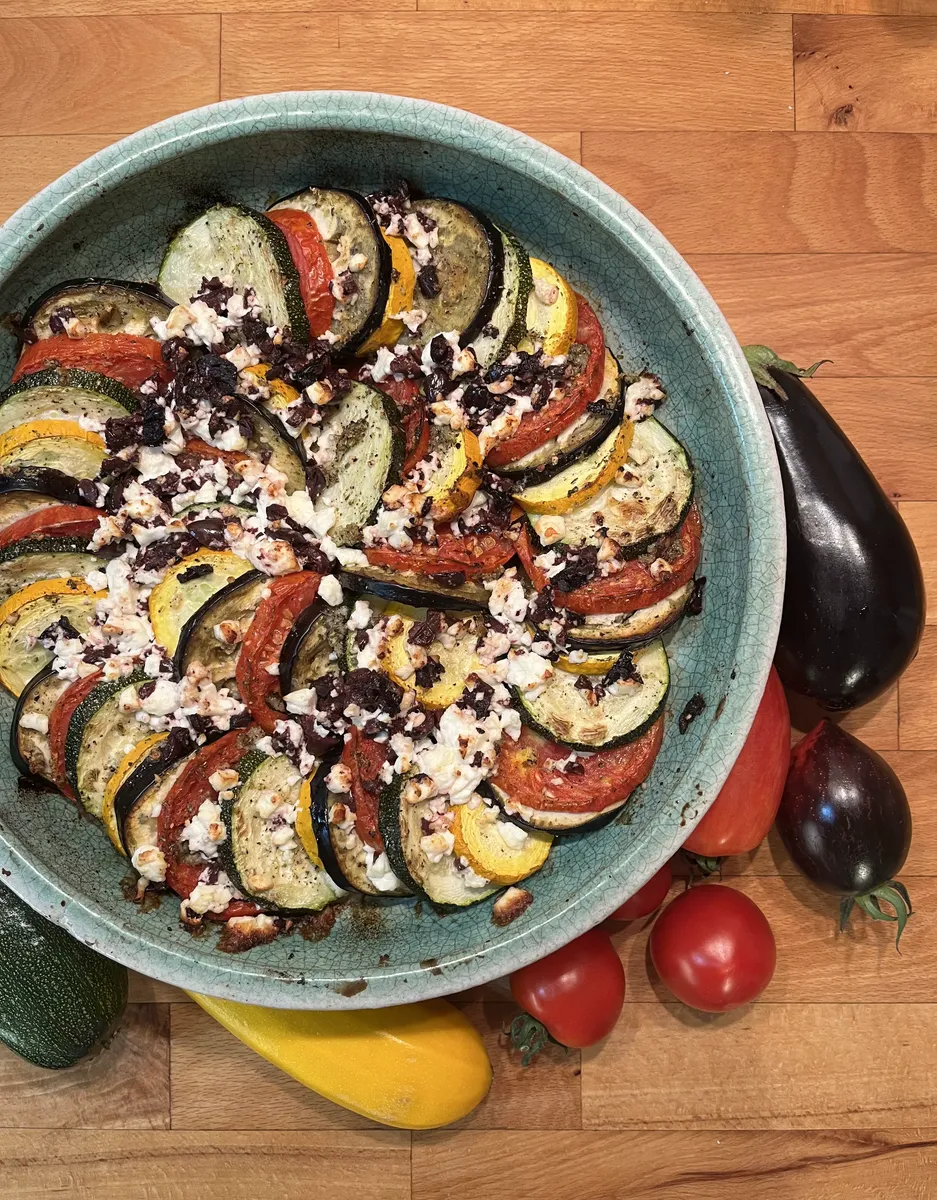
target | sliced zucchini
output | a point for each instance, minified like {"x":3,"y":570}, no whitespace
{"x":552,"y":315}
{"x":314,"y":646}
{"x":446,"y":882}
{"x":400,"y":297}
{"x":348,"y":228}
{"x":63,"y":395}
{"x":649,"y":496}
{"x":407,"y":587}
{"x":455,"y":481}
{"x":58,"y":445}
{"x":270,"y":442}
{"x":262,"y":855}
{"x":360,"y":450}
{"x":558,"y":823}
{"x":578,"y":440}
{"x":231,"y":241}
{"x":582,"y":481}
{"x":349,"y":861}
{"x":185,"y":589}
{"x":29,"y":727}
{"x":20,"y":489}
{"x":564,"y":712}
{"x":212,"y":636}
{"x":98,"y":737}
{"x":469,"y":262}
{"x":99,"y":306}
{"x":497,"y":849}
{"x":28,"y":613}
{"x":626,"y":629}
{"x":507,"y":324}
{"x":458,"y":661}
{"x":25,"y":562}
{"x":125,"y":768}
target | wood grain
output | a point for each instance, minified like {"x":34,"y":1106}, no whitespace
{"x":921,"y":520}
{"x":873,"y":314}
{"x":204,"y":1166}
{"x":104,"y":75}
{"x":876,"y":723}
{"x":713,"y":72}
{"x":885,"y":7}
{"x":870,"y":73}
{"x":917,"y":697}
{"x":104,"y":8}
{"x":124,"y":1086}
{"x":854,"y":1165}
{"x":771,"y":193}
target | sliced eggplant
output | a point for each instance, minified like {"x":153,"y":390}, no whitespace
{"x":143,"y":751}
{"x":14,"y":505}
{"x":507,"y":324}
{"x":28,"y":613}
{"x":231,"y":241}
{"x":99,"y":735}
{"x":557,"y":823}
{"x":187,"y":587}
{"x":576,"y":442}
{"x":32,"y":559}
{"x":212,"y":636}
{"x":421,"y":591}
{"x":61,"y":446}
{"x":446,"y":883}
{"x":139,"y":798}
{"x":270,"y":442}
{"x":314,"y":646}
{"x":29,"y":728}
{"x":469,"y":261}
{"x":63,"y":395}
{"x":649,"y":497}
{"x":583,"y":719}
{"x":625,"y":629}
{"x":270,"y":868}
{"x":360,"y":450}
{"x":349,"y":228}
{"x":24,"y":486}
{"x":99,"y":306}
{"x":352,"y":864}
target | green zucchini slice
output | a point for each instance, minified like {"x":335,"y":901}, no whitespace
{"x":56,"y":395}
{"x":606,"y":630}
{"x":507,"y":324}
{"x":563,"y":713}
{"x":101,"y":305}
{"x":231,"y":241}
{"x":44,"y":558}
{"x":360,"y":450}
{"x":29,"y":728}
{"x":98,"y":738}
{"x":262,"y":855}
{"x":213,"y":635}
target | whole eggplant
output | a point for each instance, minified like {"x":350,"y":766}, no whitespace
{"x":854,"y":599}
{"x":845,"y":821}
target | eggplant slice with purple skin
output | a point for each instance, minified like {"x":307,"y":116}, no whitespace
{"x":854,"y":604}
{"x":101,"y":305}
{"x":314,"y":647}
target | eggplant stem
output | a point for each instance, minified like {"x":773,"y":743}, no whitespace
{"x":705,"y":864}
{"x":530,"y":1036}
{"x":894,"y":894}
{"x":845,"y":909}
{"x":762,"y":359}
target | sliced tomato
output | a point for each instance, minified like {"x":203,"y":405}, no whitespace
{"x":58,"y":520}
{"x":472,"y":555}
{"x":408,"y":396}
{"x":275,"y":616}
{"x":59,"y":720}
{"x":204,"y":450}
{"x":631,"y":588}
{"x":364,"y":757}
{"x":526,"y":772}
{"x":538,"y":427}
{"x":127,"y":357}
{"x":308,"y":252}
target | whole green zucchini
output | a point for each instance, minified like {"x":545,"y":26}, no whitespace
{"x":58,"y":998}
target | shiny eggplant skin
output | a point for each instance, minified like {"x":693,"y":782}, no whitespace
{"x":844,"y":816}
{"x":854,"y":599}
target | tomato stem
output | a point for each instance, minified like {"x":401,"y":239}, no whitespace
{"x":530,"y":1036}
{"x":705,"y":864}
{"x":893,"y":893}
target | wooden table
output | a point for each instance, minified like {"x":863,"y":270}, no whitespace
{"x":792,"y":159}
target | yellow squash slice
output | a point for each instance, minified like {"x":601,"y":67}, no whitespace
{"x":453,"y":485}
{"x":580,"y":482}
{"x":63,"y":445}
{"x":458,"y":661}
{"x":399,"y":298}
{"x":28,"y":613}
{"x":481,"y":836}
{"x":130,"y":760}
{"x":552,"y":312}
{"x":578,"y":662}
{"x":304,"y":829}
{"x":282,"y":394}
{"x":179,"y":595}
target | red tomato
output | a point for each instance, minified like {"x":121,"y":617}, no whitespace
{"x":364,"y":757}
{"x":647,"y":899}
{"x":126,"y":357}
{"x":473,"y":555}
{"x":576,"y":993}
{"x":59,"y":720}
{"x":745,"y":809}
{"x":631,"y":588}
{"x":713,"y":948}
{"x":307,"y":249}
{"x":538,"y":427}
{"x":274,"y":618}
{"x":57,"y":520}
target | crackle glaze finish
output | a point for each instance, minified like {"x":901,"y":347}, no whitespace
{"x":112,"y":215}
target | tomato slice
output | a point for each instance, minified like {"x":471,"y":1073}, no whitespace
{"x":127,"y":357}
{"x":204,"y":450}
{"x":538,"y":427}
{"x":58,"y":520}
{"x":275,"y":616}
{"x":59,"y":720}
{"x":525,"y":772}
{"x":631,"y":588}
{"x":364,"y":757}
{"x":472,"y":555}
{"x":312,"y":262}
{"x":408,"y":396}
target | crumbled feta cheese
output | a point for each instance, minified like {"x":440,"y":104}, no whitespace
{"x":205,"y":830}
{"x":379,"y":871}
{"x":512,"y":835}
{"x":149,"y":862}
{"x":34,"y":721}
{"x":437,"y":845}
{"x":330,"y":590}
